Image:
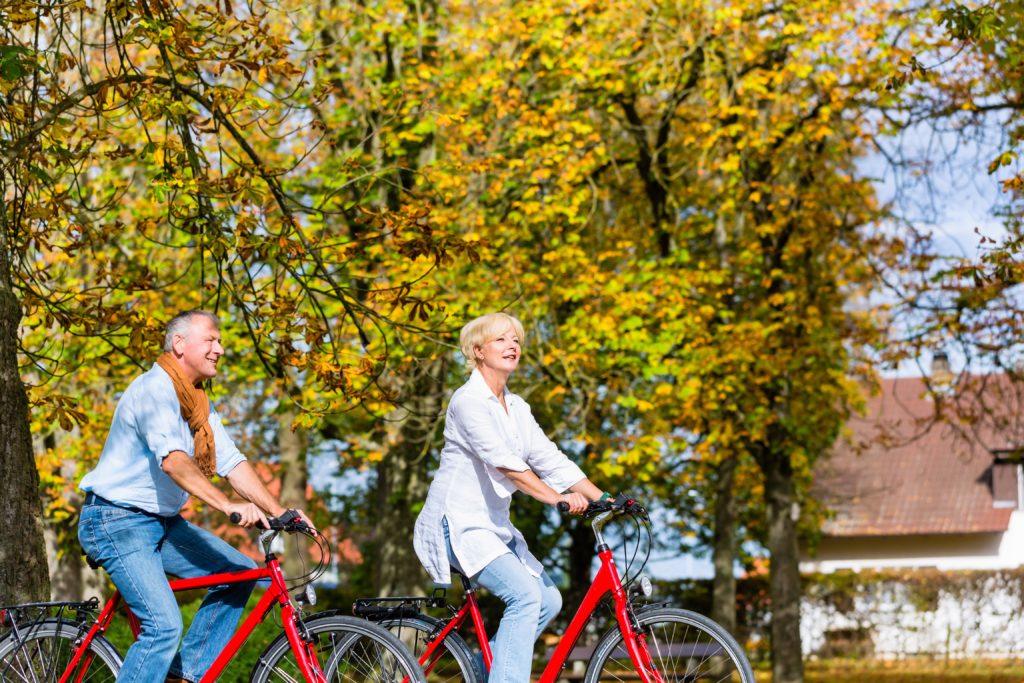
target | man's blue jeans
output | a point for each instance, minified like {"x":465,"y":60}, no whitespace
{"x":531,"y":602}
{"x":138,"y":550}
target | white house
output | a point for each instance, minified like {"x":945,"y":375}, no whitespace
{"x":928,"y":477}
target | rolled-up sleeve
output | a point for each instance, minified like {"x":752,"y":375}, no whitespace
{"x":158,"y":422}
{"x":228,"y":455}
{"x":550,"y":464}
{"x":475,"y":424}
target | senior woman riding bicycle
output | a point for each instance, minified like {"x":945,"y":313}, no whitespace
{"x":494,"y":447}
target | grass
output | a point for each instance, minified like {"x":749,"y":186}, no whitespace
{"x":908,"y":671}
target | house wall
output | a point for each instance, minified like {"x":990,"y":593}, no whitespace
{"x":942,"y":551}
{"x":906,"y":613}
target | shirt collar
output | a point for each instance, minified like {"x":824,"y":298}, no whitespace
{"x":478,"y":386}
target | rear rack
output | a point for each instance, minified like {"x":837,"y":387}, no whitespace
{"x":20,"y":621}
{"x":398,"y":607}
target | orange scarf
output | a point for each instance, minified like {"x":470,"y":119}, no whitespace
{"x":195,"y":408}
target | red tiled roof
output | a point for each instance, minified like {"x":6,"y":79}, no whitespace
{"x":901,"y":471}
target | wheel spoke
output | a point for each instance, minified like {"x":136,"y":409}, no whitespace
{"x":348,"y":649}
{"x":43,"y":654}
{"x":683,"y":648}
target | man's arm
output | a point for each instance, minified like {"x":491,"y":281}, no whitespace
{"x":179,"y":467}
{"x":247,"y":483}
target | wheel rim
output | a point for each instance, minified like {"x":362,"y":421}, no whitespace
{"x":681,"y":652}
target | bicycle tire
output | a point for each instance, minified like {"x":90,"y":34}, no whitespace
{"x":43,"y":653}
{"x":455,"y":663}
{"x":684,"y":646}
{"x":349,"y":650}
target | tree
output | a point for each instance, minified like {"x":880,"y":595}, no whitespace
{"x":160,"y":141}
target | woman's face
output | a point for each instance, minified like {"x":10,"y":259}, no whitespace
{"x":501,"y":353}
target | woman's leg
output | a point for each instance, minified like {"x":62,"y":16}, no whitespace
{"x":526,"y":599}
{"x":550,"y":602}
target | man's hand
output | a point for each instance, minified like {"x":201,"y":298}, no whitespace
{"x":249,"y":515}
{"x":306,"y":520}
{"x":294,"y":516}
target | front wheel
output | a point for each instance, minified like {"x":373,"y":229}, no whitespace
{"x":42,"y":653}
{"x":684,"y":647}
{"x":349,"y":650}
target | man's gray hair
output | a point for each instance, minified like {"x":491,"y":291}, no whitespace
{"x":181,"y":324}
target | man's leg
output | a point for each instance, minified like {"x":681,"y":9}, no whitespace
{"x":189,"y":552}
{"x":127,"y":545}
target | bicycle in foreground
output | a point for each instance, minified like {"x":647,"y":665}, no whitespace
{"x":63,"y":642}
{"x":653,"y":643}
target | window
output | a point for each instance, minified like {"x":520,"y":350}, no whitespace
{"x":1004,"y":484}
{"x":1007,"y":478}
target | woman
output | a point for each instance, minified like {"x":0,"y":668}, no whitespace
{"x":493,"y":447}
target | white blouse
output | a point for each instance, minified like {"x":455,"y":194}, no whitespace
{"x":470,"y":492}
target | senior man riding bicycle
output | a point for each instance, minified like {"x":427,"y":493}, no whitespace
{"x":165,"y":442}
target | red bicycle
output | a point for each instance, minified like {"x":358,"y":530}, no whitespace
{"x":652,"y":643}
{"x":63,"y":642}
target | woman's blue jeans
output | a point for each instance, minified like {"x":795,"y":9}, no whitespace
{"x":531,"y":602}
{"x":138,"y":550}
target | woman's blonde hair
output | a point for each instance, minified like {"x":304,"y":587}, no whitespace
{"x":479,"y":331}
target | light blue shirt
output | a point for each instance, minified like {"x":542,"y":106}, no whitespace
{"x":146,"y":428}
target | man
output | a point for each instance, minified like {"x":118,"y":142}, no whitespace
{"x":165,"y":442}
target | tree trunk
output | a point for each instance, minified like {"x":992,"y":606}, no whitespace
{"x":70,"y":576}
{"x":24,"y":575}
{"x":294,"y":477}
{"x":66,"y":576}
{"x":723,"y":590}
{"x":784,"y":581}
{"x":402,"y":481}
{"x":581,"y":561}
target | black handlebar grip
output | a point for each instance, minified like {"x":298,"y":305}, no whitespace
{"x":235,"y":518}
{"x":563,"y":507}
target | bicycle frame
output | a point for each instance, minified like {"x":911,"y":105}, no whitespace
{"x":606,"y":581}
{"x":277,"y":593}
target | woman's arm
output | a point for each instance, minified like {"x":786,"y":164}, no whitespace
{"x":578,"y":496}
{"x":587,"y":488}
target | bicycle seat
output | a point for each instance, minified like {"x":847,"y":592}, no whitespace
{"x":93,"y":564}
{"x":466,"y":583}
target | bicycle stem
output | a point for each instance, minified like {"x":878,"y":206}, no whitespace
{"x":598,"y":524}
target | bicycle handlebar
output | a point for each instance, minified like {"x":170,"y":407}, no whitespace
{"x":622,"y":503}
{"x":290,"y":521}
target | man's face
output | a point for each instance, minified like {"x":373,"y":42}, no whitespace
{"x":199,"y":349}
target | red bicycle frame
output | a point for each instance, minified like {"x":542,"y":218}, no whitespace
{"x":606,"y":581}
{"x":278,"y":592}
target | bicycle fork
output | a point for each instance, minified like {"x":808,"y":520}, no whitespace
{"x":633,"y":636}
{"x":635,"y":641}
{"x":303,"y":644}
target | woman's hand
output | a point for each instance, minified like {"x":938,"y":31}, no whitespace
{"x":577,"y":502}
